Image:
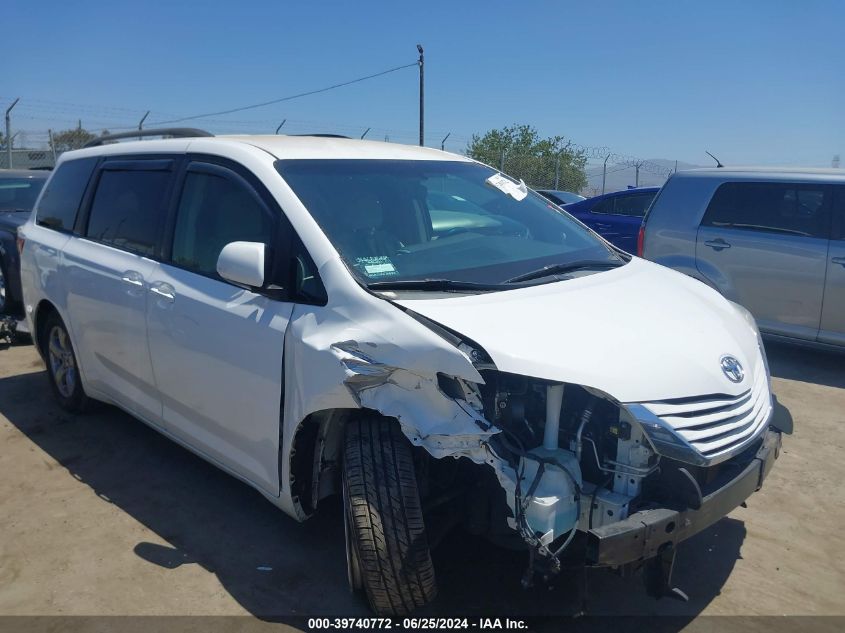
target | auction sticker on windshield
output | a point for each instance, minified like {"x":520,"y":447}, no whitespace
{"x":376,"y":266}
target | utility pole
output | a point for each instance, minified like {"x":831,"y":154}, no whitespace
{"x":9,"y":133}
{"x":141,"y":123}
{"x":604,"y":173}
{"x":443,"y":142}
{"x":422,"y":95}
{"x":637,"y":177}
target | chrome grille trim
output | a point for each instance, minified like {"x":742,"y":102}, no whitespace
{"x":708,"y":429}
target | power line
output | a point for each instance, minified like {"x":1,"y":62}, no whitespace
{"x":289,"y":98}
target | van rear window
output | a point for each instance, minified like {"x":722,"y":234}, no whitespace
{"x":61,"y":199}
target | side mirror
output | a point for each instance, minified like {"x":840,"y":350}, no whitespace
{"x":242,"y":263}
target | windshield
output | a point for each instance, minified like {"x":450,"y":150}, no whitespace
{"x":19,"y":194}
{"x":401,"y":221}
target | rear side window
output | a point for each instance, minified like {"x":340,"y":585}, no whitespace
{"x":603,"y":206}
{"x":19,"y":194}
{"x":60,"y":203}
{"x":788,"y":208}
{"x":633,"y":205}
{"x":128,"y":209}
{"x":214,"y":211}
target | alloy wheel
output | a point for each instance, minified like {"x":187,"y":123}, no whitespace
{"x":62,"y":363}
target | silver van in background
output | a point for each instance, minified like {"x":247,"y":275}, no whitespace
{"x":772,"y":240}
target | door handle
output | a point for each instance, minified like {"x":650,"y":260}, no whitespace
{"x":133,"y":278}
{"x":839,"y":260}
{"x":717,"y":244}
{"x":164,"y":291}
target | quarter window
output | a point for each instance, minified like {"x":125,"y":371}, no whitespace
{"x":60,"y":202}
{"x":215,"y":210}
{"x":128,"y":209}
{"x":789,"y":208}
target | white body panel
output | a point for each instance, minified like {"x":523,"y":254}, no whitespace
{"x":217,"y":359}
{"x":640,"y":332}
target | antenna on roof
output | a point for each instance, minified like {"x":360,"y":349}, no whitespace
{"x":718,"y":162}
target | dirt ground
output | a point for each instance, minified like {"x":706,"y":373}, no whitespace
{"x":100,"y":515}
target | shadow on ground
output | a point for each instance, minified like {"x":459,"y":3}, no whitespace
{"x":275,"y":567}
{"x":820,"y":367}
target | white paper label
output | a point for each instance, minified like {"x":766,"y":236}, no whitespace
{"x":506,"y":185}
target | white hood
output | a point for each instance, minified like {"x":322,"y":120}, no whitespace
{"x":639,"y":333}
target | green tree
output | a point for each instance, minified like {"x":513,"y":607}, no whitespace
{"x":519,"y":151}
{"x":74,"y":138}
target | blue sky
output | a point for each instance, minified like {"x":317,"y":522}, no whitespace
{"x":754,"y":82}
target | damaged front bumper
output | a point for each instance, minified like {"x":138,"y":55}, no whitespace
{"x":647,"y":533}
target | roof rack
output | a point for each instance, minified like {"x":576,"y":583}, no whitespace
{"x":322,"y":135}
{"x":172,"y":132}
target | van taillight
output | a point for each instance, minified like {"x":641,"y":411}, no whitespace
{"x":641,"y":240}
{"x":20,"y":242}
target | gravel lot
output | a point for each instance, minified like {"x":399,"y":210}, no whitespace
{"x":103,"y":516}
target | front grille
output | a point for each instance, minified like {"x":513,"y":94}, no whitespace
{"x":718,"y":425}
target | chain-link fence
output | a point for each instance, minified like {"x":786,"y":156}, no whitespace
{"x":577,"y":170}
{"x":41,"y":150}
{"x":562,"y":171}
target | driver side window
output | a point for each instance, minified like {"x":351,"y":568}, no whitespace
{"x":215,"y":209}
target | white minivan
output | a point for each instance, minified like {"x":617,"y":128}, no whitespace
{"x":404,"y":327}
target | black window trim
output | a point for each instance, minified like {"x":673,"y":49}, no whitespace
{"x":122,"y":162}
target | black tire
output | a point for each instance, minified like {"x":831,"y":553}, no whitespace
{"x":5,"y":299}
{"x":71,"y":398}
{"x":386,"y":533}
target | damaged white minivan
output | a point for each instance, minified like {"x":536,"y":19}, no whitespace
{"x":406,"y":328}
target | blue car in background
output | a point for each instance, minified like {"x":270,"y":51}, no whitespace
{"x":560,"y":197}
{"x":616,"y":216}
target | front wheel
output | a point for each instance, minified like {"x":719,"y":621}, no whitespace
{"x":387,"y":549}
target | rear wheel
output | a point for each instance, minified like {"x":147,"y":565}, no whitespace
{"x":387,"y":549}
{"x":62,"y":367}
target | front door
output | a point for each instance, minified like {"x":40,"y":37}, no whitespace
{"x":764,"y":245}
{"x":217,"y":348}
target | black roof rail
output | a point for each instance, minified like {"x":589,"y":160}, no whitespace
{"x":172,"y":132}
{"x":323,"y":135}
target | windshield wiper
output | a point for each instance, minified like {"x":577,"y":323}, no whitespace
{"x":434,"y":285}
{"x":559,"y":269}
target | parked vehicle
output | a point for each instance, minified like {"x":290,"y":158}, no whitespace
{"x":18,"y":192}
{"x":772,"y":240}
{"x":560,"y":197}
{"x":284,"y":307}
{"x":616,"y":216}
